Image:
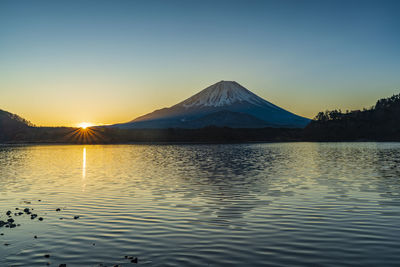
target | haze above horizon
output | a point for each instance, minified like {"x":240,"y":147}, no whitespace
{"x":103,"y":62}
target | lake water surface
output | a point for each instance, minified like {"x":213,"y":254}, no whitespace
{"x":285,"y":204}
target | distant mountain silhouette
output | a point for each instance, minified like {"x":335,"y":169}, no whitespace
{"x":225,"y":117}
{"x":12,"y":124}
{"x":224,"y":104}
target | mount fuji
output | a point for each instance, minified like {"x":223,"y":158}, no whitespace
{"x":224,"y":104}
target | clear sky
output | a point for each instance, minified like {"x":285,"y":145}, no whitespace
{"x":65,"y":62}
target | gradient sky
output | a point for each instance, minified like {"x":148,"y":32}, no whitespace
{"x":65,"y":62}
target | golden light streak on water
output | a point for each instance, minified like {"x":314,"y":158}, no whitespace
{"x":84,"y":169}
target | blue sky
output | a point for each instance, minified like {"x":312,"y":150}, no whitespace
{"x":64,"y":62}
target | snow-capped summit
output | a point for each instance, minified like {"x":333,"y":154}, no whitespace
{"x":225,"y":103}
{"x":221,"y":94}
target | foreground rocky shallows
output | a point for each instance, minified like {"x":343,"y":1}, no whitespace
{"x":10,"y":221}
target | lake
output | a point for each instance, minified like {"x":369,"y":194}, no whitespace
{"x":281,"y":204}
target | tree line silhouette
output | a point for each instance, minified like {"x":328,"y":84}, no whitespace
{"x":379,"y":123}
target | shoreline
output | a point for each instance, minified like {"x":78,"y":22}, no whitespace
{"x":196,"y":142}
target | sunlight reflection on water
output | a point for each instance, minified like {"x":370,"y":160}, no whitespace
{"x":84,"y":169}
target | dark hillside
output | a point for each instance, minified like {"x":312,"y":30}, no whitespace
{"x":13,"y":126}
{"x":379,"y":123}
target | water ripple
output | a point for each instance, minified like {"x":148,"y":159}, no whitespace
{"x":299,"y":204}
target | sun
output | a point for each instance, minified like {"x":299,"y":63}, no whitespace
{"x":84,"y":125}
{"x":85,"y":133}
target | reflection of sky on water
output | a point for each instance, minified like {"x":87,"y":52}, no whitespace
{"x":222,"y":181}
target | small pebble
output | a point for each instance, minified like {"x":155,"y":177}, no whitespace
{"x":8,"y":213}
{"x":40,"y":219}
{"x":58,"y":209}
{"x":135,"y":260}
{"x":76,"y":217}
{"x":62,"y":265}
{"x":6,"y":244}
{"x":47,"y":256}
{"x":35,"y":236}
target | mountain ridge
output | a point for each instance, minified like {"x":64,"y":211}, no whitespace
{"x":11,"y":124}
{"x":223,"y":95}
